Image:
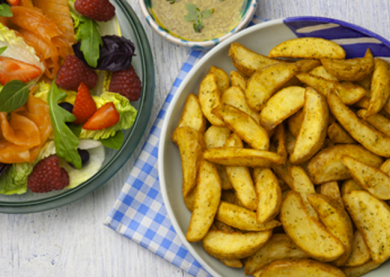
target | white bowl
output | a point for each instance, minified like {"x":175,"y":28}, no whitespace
{"x":199,"y":45}
{"x":260,"y":38}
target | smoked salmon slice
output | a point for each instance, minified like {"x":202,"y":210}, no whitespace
{"x":22,"y":137}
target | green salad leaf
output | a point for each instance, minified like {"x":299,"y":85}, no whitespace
{"x":91,"y":40}
{"x":13,"y":95}
{"x":65,"y":140}
{"x":114,"y":142}
{"x":5,"y":10}
{"x":14,"y":180}
{"x":2,"y":49}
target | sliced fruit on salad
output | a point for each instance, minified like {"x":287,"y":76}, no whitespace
{"x":57,"y":112}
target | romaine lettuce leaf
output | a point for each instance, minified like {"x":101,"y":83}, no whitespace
{"x":18,"y":49}
{"x":14,"y":180}
{"x":126,"y":112}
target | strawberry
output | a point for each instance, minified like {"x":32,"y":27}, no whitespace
{"x":84,"y":105}
{"x":106,"y":116}
{"x":13,"y":2}
{"x":11,"y":69}
{"x":99,"y":10}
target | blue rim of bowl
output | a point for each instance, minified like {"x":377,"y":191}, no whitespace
{"x":163,"y":139}
{"x":129,"y":145}
{"x":246,"y":17}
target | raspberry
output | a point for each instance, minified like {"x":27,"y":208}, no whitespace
{"x":99,"y":10}
{"x":73,"y":72}
{"x":47,"y":176}
{"x":126,"y":83}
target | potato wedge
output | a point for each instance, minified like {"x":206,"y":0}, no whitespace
{"x":240,"y":178}
{"x":189,"y":200}
{"x":283,"y":172}
{"x":336,"y":221}
{"x":320,"y":71}
{"x":264,"y":83}
{"x":369,"y":178}
{"x":207,"y":198}
{"x":375,"y":229}
{"x":308,"y":48}
{"x":306,"y":231}
{"x":348,"y":92}
{"x":236,"y":263}
{"x":313,"y":128}
{"x":238,"y":80}
{"x":235,"y":97}
{"x":269,"y":194}
{"x":351,"y":69}
{"x":222,"y":245}
{"x":243,"y":125}
{"x":361,"y":270}
{"x":294,"y":122}
{"x":307,"y":65}
{"x":210,"y":97}
{"x":216,"y":136}
{"x":380,"y":87}
{"x":192,"y":115}
{"x":191,"y":146}
{"x":223,"y":80}
{"x":379,"y":122}
{"x":332,"y":190}
{"x":247,"y":61}
{"x":279,"y":247}
{"x":223,"y":227}
{"x":301,"y":183}
{"x":241,"y":218}
{"x":301,"y":267}
{"x":370,"y":138}
{"x":327,"y":166}
{"x":348,"y":186}
{"x":338,"y":135}
{"x":278,"y":142}
{"x":360,"y":253}
{"x":385,"y":167}
{"x":281,"y":106}
{"x":242,"y":157}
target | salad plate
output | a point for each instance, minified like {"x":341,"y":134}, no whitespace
{"x":130,"y":28}
{"x":261,"y":39}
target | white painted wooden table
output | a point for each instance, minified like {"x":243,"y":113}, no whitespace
{"x":71,"y":240}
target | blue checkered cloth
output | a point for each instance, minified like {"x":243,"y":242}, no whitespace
{"x":139,"y":212}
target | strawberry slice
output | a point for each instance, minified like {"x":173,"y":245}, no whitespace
{"x":106,"y":116}
{"x":11,"y":69}
{"x":84,"y":105}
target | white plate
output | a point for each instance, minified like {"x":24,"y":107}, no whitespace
{"x":261,"y":38}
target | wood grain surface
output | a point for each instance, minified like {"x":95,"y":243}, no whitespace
{"x":71,"y":240}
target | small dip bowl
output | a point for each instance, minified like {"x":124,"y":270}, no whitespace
{"x":246,"y":17}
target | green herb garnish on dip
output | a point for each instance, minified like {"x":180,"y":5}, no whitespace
{"x":198,"y":20}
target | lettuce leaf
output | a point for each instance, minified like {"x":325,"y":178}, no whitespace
{"x":14,"y":180}
{"x":126,"y":112}
{"x":17,"y":49}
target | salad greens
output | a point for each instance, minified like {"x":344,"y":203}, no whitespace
{"x":114,"y":142}
{"x":5,"y":10}
{"x":14,"y":180}
{"x":13,"y":95}
{"x":87,"y":33}
{"x":64,"y":139}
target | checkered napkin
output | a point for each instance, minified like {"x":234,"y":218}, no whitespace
{"x":139,"y":212}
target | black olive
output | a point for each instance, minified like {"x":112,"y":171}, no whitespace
{"x":84,"y":155}
{"x":66,"y":106}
